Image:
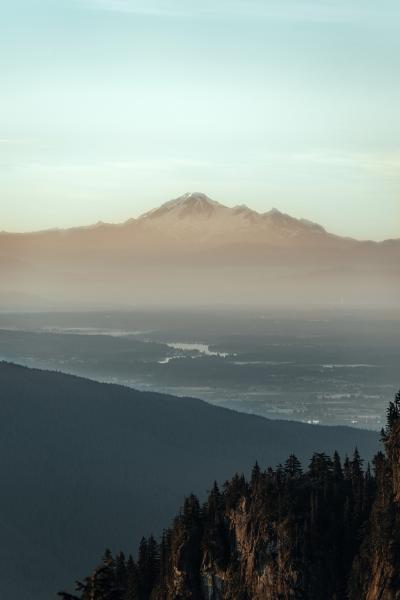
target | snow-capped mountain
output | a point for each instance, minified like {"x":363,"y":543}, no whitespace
{"x":191,"y":204}
{"x":196,"y":205}
{"x":195,"y":212}
{"x":195,"y":250}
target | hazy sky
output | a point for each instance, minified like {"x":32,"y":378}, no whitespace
{"x":110,"y":107}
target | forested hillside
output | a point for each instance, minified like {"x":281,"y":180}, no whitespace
{"x":85,"y":465}
{"x":331,"y":532}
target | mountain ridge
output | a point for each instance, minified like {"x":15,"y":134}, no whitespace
{"x":195,"y":251}
{"x":198,"y":202}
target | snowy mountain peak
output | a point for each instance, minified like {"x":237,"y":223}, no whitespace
{"x":196,"y":215}
{"x":274,"y":212}
{"x":190,"y":204}
{"x":191,"y":197}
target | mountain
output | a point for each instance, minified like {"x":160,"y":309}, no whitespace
{"x":196,"y":251}
{"x":329,"y":532}
{"x":86,"y":465}
{"x":195,"y":213}
{"x":210,"y":226}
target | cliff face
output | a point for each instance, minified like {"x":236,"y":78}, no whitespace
{"x":330,"y":533}
{"x":266,"y":564}
{"x":376,"y":570}
{"x":285,"y":535}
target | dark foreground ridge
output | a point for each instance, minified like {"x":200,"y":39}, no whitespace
{"x":86,"y":465}
{"x":329,"y":533}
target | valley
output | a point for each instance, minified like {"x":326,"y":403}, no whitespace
{"x":328,"y":367}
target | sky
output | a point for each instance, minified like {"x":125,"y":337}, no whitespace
{"x":111,"y":107}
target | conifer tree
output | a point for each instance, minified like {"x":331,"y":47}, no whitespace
{"x":293,"y":466}
{"x":337,"y":467}
{"x":347,"y":468}
{"x":255,"y":477}
{"x":393,"y":413}
{"x":132,"y":581}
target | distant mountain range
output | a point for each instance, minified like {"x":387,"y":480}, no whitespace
{"x":193,"y":250}
{"x":86,"y":465}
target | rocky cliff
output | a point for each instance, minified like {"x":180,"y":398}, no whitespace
{"x":376,"y":570}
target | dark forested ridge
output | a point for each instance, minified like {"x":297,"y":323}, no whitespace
{"x":86,"y":465}
{"x":331,"y":532}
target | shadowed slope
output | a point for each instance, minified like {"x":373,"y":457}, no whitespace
{"x":86,"y":465}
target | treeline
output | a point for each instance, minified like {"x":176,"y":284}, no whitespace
{"x":321,"y":533}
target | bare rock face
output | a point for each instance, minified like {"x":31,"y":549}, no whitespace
{"x":330,"y":544}
{"x":251,"y":556}
{"x":267,"y":556}
{"x":376,"y":570}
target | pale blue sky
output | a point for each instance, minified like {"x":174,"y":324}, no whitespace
{"x":110,"y":107}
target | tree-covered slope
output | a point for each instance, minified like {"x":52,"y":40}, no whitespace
{"x":331,"y":532}
{"x":86,"y":465}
